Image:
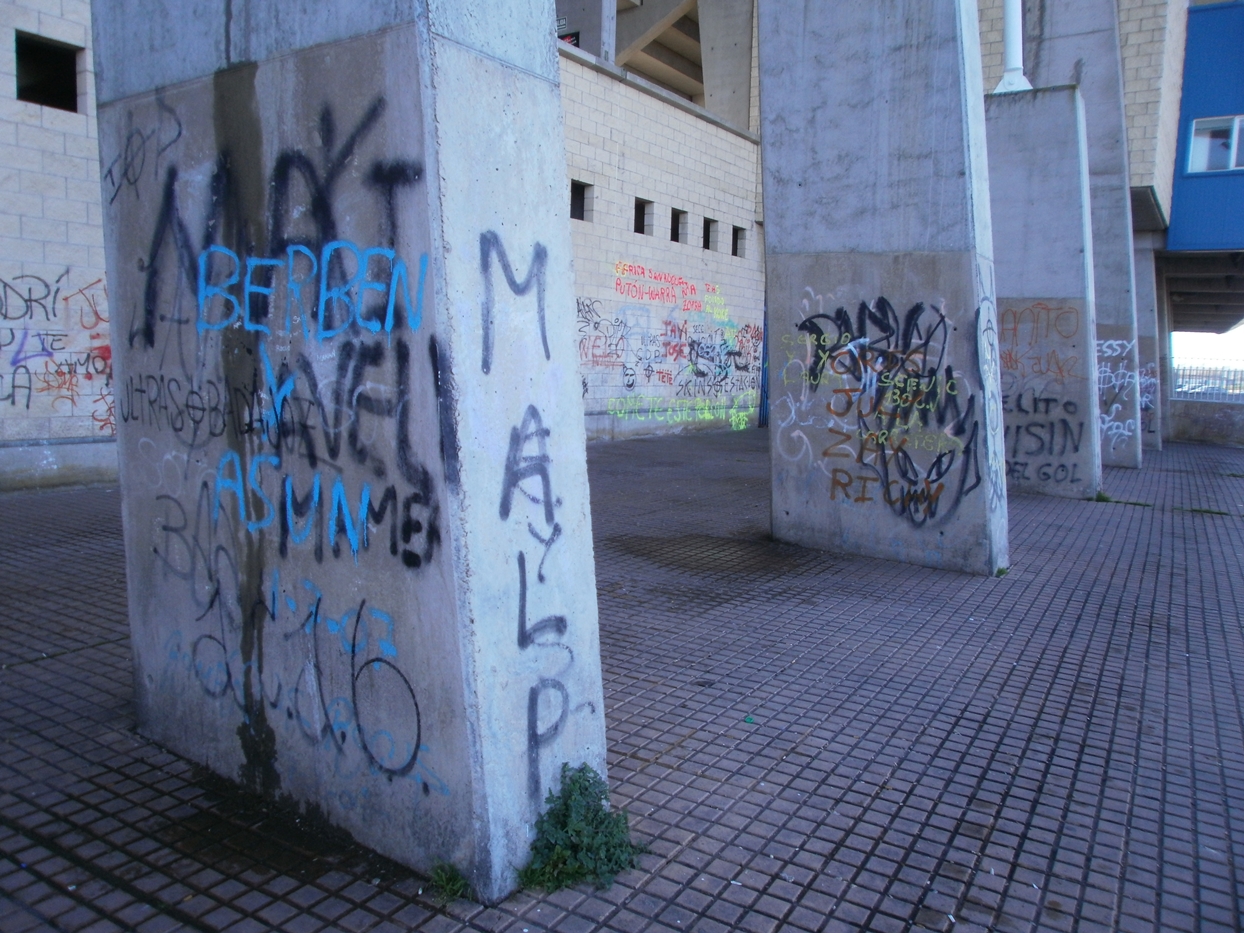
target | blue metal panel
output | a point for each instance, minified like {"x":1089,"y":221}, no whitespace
{"x":1207,"y":208}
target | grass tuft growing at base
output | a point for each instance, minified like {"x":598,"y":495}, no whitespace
{"x":578,"y":838}
{"x":448,"y":883}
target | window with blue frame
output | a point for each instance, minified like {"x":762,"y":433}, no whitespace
{"x":1216,"y":144}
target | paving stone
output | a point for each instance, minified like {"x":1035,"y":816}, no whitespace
{"x":1058,"y":748}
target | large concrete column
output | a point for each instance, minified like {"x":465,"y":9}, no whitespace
{"x":886,"y":410}
{"x":1166,"y":364}
{"x":726,"y":48}
{"x":1043,"y":257}
{"x":352,"y":453}
{"x":1077,"y":42}
{"x":1148,"y":336}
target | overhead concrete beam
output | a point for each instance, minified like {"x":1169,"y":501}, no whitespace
{"x":639,"y":26}
{"x":1183,"y":302}
{"x":672,"y":60}
{"x":1185,"y":265}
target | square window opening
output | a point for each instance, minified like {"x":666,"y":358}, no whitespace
{"x":738,"y":242}
{"x":47,"y":72}
{"x":580,"y":201}
{"x":710,"y":234}
{"x":1216,"y":144}
{"x":678,"y":226}
{"x":643,"y":216}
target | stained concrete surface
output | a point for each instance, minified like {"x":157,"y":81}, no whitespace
{"x":1061,"y":748}
{"x":879,"y":283}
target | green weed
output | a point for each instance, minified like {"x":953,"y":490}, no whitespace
{"x":448,"y":883}
{"x":1102,"y":497}
{"x":578,"y":838}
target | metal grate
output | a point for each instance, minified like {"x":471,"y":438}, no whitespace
{"x":1210,"y":382}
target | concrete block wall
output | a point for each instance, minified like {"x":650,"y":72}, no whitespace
{"x":990,"y":12}
{"x":670,"y":333}
{"x":1153,"y":33}
{"x":55,"y":360}
{"x":1204,"y":422}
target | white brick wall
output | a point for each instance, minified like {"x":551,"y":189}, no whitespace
{"x":1152,"y":34}
{"x":670,"y":333}
{"x":55,"y":358}
{"x":991,"y":42}
{"x":55,"y":369}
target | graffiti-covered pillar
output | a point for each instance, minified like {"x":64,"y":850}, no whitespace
{"x":1148,"y":337}
{"x":353,"y":468}
{"x":1043,"y":258}
{"x":886,"y":410}
{"x":1077,"y":42}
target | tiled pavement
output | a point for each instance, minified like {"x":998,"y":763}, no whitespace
{"x":804,"y":741}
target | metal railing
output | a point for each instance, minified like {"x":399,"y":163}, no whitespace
{"x":1210,"y":382}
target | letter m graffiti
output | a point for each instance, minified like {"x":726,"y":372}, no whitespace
{"x":490,"y":245}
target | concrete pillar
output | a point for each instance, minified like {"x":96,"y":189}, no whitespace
{"x":886,"y":410}
{"x":1043,"y":258}
{"x":1166,"y":369}
{"x":595,"y":22}
{"x":1077,"y":42}
{"x":726,"y":50}
{"x":1148,"y":336}
{"x":352,"y":455}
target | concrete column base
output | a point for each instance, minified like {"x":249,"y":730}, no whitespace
{"x":884,"y":380}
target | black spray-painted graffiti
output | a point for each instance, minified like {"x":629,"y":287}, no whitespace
{"x":490,"y":244}
{"x":896,"y":406}
{"x":1046,"y":433}
{"x":275,"y":357}
{"x":527,"y":485}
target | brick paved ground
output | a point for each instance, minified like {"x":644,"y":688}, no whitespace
{"x":805,"y":741}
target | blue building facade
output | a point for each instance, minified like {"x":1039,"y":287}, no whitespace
{"x":1207,"y":203}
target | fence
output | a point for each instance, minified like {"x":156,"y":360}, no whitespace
{"x":1210,"y":382}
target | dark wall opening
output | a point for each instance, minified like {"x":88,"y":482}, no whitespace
{"x":47,"y":72}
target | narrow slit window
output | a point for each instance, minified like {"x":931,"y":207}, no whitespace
{"x":678,"y":226}
{"x":580,"y":201}
{"x":710,"y":234}
{"x":738,"y":241}
{"x":47,"y":72}
{"x":643,"y":216}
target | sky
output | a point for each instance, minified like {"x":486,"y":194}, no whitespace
{"x":1198,"y":349}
